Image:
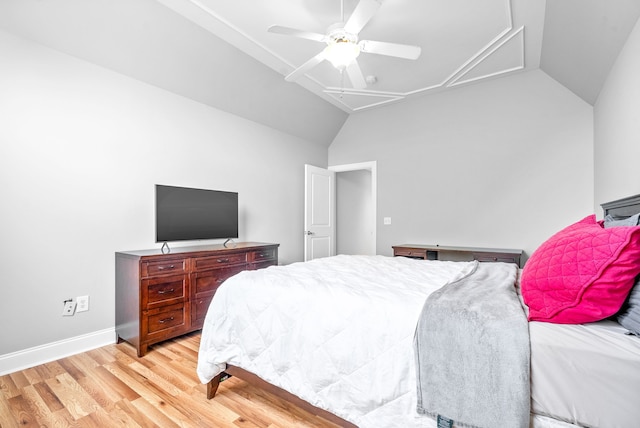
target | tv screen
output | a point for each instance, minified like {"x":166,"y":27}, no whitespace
{"x":184,"y":214}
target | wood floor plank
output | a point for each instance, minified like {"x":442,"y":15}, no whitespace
{"x":240,"y":395}
{"x":157,"y":359}
{"x":70,"y":368}
{"x":114,"y":418}
{"x":49,"y":398}
{"x":138,"y":388}
{"x":37,"y":407}
{"x":158,"y":379}
{"x":142,"y":418}
{"x":100,"y":356}
{"x":19,"y":379}
{"x":64,"y":419}
{"x":22,"y":412}
{"x":185,"y":351}
{"x":125,"y":354}
{"x":104,"y":397}
{"x":289,"y":414}
{"x":197,"y":416}
{"x":167,"y":352}
{"x":72,"y":395}
{"x":8,"y":387}
{"x":7,"y":420}
{"x":211,"y":409}
{"x":149,"y":392}
{"x":244,"y":423}
{"x":112,"y":387}
{"x":152,"y":413}
{"x":181,"y":376}
{"x":239,"y":405}
{"x":32,"y":375}
{"x":49,"y":370}
{"x":115,"y":386}
{"x":84,"y":362}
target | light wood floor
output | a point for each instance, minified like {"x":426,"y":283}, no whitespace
{"x":110,"y":386}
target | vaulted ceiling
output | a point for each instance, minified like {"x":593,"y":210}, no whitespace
{"x":461,"y":41}
{"x":221,"y":53}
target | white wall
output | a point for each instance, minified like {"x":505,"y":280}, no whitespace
{"x":81,"y":148}
{"x":147,"y":40}
{"x":505,"y":163}
{"x":617,"y":126}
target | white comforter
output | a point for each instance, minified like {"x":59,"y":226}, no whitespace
{"x":337,"y":332}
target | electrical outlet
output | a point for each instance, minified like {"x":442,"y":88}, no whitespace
{"x":69,"y":308}
{"x":83,"y":303}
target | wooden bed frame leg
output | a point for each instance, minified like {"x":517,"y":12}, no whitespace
{"x":212,"y":386}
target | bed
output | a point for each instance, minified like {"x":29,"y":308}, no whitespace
{"x":340,"y":335}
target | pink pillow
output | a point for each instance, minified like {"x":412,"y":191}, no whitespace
{"x":582,"y":273}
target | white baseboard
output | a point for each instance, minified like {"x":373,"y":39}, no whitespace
{"x":37,"y":355}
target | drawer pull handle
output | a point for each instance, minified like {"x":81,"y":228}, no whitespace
{"x":219,"y":280}
{"x":262,"y":255}
{"x":223,"y":260}
{"x":166,"y":267}
{"x":166,"y":291}
{"x":162,"y":321}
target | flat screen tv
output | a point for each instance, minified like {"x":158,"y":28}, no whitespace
{"x":185,"y":214}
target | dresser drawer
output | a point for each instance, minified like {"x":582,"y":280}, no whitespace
{"x":203,"y":263}
{"x":170,"y":317}
{"x":162,"y":291}
{"x":263,"y":264}
{"x":199,"y":310}
{"x":263,"y":254}
{"x":163,"y":267}
{"x":410,"y":252}
{"x":209,"y":281}
{"x":496,"y":257}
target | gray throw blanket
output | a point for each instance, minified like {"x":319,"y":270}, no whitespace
{"x":472,"y":351}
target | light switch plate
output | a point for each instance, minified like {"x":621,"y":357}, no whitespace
{"x":83,"y":303}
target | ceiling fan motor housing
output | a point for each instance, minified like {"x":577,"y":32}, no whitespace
{"x":337,"y":34}
{"x":342,"y":47}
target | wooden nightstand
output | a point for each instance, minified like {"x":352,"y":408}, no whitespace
{"x":433,"y":252}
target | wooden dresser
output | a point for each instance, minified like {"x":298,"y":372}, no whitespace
{"x":161,"y":296}
{"x":435,"y":252}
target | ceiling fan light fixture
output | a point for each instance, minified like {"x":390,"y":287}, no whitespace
{"x":341,"y":53}
{"x":343,"y":45}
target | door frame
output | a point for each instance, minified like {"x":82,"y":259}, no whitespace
{"x":371,"y":166}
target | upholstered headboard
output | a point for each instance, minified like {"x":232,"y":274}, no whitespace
{"x":622,"y":207}
{"x":629,"y":315}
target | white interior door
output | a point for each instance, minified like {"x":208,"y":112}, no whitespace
{"x":319,"y":213}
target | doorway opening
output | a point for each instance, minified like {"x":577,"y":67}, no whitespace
{"x":356,"y":191}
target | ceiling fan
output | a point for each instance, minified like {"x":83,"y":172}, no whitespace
{"x":343,"y":46}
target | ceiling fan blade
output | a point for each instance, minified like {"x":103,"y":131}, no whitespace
{"x":390,"y":49}
{"x":361,"y":15}
{"x":297,"y":33}
{"x":305,"y":67}
{"x":355,"y":76}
